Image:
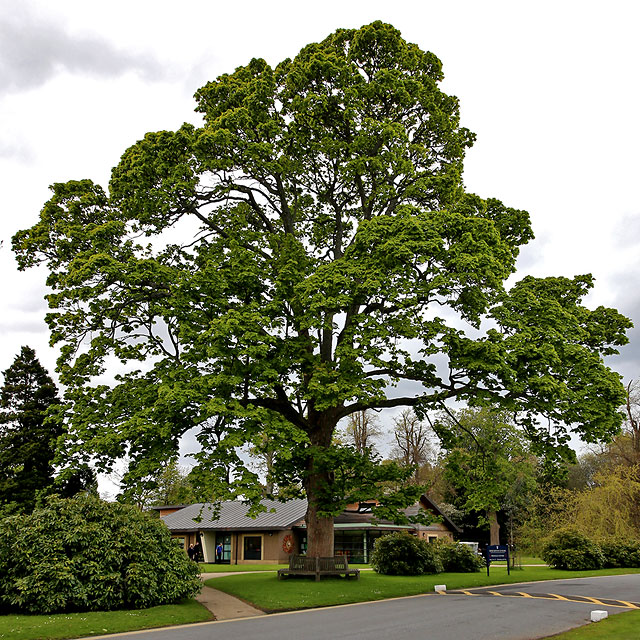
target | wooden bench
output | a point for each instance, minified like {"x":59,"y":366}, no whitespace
{"x":318,"y":567}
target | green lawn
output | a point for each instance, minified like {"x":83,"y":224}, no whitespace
{"x":622,"y":626}
{"x":524,"y":560}
{"x":239,"y":568}
{"x":266,"y":592}
{"x":225,"y":568}
{"x":93,"y":623}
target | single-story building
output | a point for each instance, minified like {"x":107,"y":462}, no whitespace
{"x":273,"y":535}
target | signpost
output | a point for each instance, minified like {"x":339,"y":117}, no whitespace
{"x":497,"y":552}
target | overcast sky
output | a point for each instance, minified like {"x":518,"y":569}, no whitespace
{"x":550,"y":88}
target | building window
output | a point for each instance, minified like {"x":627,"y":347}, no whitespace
{"x":433,"y":538}
{"x":352,"y":544}
{"x":253,"y":547}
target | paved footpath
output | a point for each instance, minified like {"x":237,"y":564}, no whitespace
{"x":526,"y":611}
{"x":222,"y":605}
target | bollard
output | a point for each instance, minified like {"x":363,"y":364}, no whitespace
{"x":598,"y":615}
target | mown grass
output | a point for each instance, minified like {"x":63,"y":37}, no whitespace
{"x":240,"y":568}
{"x":621,"y":626}
{"x":266,"y":592}
{"x":93,"y":623}
{"x":523,"y":560}
{"x":237,"y":568}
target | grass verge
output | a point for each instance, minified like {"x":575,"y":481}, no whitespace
{"x":266,"y":592}
{"x":523,"y":560}
{"x":237,"y":568}
{"x":240,"y":568}
{"x":93,"y":623}
{"x":621,"y":626}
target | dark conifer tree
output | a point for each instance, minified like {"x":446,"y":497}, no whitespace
{"x":27,"y":436}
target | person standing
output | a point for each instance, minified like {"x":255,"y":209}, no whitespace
{"x":219,"y":553}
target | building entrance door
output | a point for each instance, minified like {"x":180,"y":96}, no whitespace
{"x":224,"y":539}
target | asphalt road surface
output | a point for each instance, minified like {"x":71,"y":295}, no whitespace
{"x":513,"y":612}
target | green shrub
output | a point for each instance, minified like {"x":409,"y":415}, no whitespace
{"x":401,"y":554}
{"x":569,"y":549}
{"x":459,"y":558}
{"x":621,"y":553}
{"x":84,"y":554}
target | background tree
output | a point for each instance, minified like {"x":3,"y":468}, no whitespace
{"x":27,"y":436}
{"x":362,"y":430}
{"x":488,"y":461}
{"x":413,"y":447}
{"x":581,"y":474}
{"x":608,"y":508}
{"x":263,"y":453}
{"x":632,"y":421}
{"x":173,"y":486}
{"x":305,"y":239}
{"x":625,"y":447}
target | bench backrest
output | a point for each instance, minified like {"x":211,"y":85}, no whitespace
{"x":304,"y":563}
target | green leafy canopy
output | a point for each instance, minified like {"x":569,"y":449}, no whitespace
{"x":293,"y":259}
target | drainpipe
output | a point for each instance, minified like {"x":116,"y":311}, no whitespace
{"x":236,"y":547}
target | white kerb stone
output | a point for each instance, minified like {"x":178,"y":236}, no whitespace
{"x":440,"y":587}
{"x":598,"y":615}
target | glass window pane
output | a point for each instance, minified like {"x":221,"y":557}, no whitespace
{"x":253,"y":548}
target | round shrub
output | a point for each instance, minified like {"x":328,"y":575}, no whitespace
{"x":84,"y":554}
{"x":459,"y":558}
{"x":569,"y":549}
{"x":621,"y":553}
{"x":401,"y":554}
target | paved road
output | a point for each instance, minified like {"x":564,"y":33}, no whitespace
{"x":431,"y":616}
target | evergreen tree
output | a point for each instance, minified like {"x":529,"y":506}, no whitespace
{"x":27,"y":435}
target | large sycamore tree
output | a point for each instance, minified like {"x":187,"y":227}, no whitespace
{"x":307,"y":253}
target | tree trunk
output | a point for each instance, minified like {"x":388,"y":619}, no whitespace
{"x":319,"y":528}
{"x":494,"y":527}
{"x":319,"y":532}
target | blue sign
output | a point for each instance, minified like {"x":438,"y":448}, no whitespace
{"x":497,"y":552}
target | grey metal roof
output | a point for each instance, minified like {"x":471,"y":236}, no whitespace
{"x":279,"y":515}
{"x":233,"y":515}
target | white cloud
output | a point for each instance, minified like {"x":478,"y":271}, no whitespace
{"x":35,"y":48}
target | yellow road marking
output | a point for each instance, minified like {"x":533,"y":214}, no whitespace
{"x":618,"y":604}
